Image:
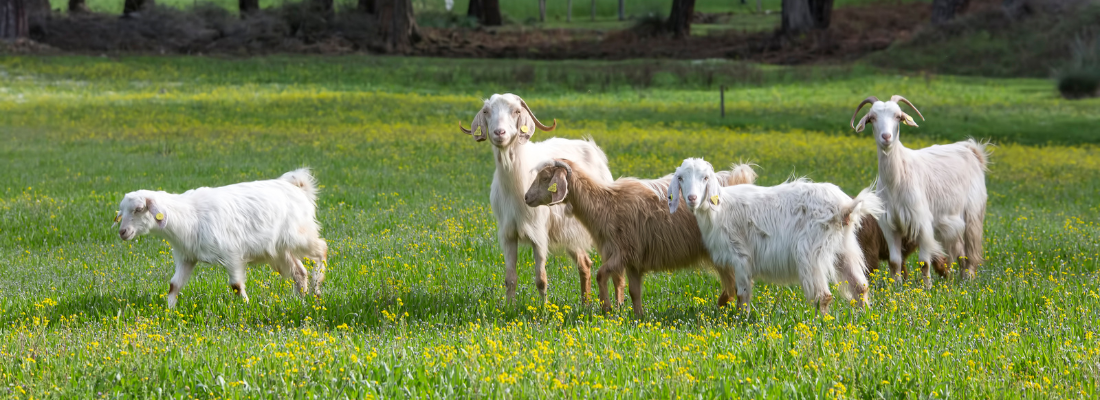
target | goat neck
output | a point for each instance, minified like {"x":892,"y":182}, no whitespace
{"x":893,"y":164}
{"x":180,"y":230}
{"x":591,"y":202}
{"x":514,"y":166}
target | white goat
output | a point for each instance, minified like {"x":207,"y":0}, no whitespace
{"x":268,"y":221}
{"x":795,"y":232}
{"x":935,"y":197}
{"x":628,"y":222}
{"x":508,"y":123}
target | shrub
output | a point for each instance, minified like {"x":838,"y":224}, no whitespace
{"x":1081,"y":77}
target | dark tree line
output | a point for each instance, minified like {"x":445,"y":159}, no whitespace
{"x":397,"y":25}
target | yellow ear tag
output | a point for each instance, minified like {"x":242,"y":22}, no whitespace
{"x":553,"y":187}
{"x":159,"y":217}
{"x":523,"y":128}
{"x":714,"y":199}
{"x":118,"y":216}
{"x":909,"y":120}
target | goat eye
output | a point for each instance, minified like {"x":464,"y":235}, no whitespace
{"x":706,"y":178}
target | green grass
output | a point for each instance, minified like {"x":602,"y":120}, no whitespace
{"x":413,"y":305}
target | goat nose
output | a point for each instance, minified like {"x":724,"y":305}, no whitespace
{"x":886,"y":136}
{"x":692,"y":197}
{"x":122,"y":232}
{"x":499,"y":132}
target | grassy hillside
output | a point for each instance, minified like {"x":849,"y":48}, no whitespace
{"x":414,"y":304}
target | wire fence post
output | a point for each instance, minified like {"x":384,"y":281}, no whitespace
{"x":722,"y":99}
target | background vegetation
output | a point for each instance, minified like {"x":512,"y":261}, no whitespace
{"x":414,"y":303}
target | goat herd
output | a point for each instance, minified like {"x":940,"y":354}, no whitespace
{"x":559,"y":194}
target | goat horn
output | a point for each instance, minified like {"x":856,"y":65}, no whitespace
{"x":468,"y":132}
{"x":537,"y":123}
{"x":568,"y":169}
{"x":868,"y":100}
{"x":897,"y":97}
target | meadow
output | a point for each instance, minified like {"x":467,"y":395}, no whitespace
{"x":414,"y":303}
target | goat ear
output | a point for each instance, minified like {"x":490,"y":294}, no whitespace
{"x":714,"y":193}
{"x":862,"y":122}
{"x":477,"y":127}
{"x":559,"y":186}
{"x":157,"y":212}
{"x":525,"y":124}
{"x":906,"y":119}
{"x":673,"y":194}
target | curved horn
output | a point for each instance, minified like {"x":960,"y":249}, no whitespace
{"x":467,"y":131}
{"x":568,"y":169}
{"x":868,"y":100}
{"x":897,"y":97}
{"x":537,"y":123}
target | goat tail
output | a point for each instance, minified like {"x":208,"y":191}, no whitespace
{"x":304,"y":180}
{"x":972,"y":237}
{"x":739,"y":173}
{"x":980,"y":150}
{"x":865,"y":204}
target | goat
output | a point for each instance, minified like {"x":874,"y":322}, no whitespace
{"x":935,"y":197}
{"x":270,"y":221}
{"x":508,"y":123}
{"x":626,"y":219}
{"x":798,"y":231}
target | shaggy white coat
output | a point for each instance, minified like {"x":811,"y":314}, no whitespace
{"x":797,"y":232}
{"x":269,"y":221}
{"x":508,"y":123}
{"x":935,"y":196}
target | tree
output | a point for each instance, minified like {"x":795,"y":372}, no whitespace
{"x":396,"y":24}
{"x":622,"y":11}
{"x":133,"y":6}
{"x":946,"y":10}
{"x":368,"y":6}
{"x":13,"y":19}
{"x":542,"y":10}
{"x":804,"y":15}
{"x":325,"y":7}
{"x":77,"y":6}
{"x":487,"y":12}
{"x":679,"y":20}
{"x":244,"y":7}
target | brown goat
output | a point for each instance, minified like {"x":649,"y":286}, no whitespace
{"x":629,"y":221}
{"x":875,"y":249}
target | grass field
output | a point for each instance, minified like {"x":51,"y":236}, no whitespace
{"x":414,"y":301}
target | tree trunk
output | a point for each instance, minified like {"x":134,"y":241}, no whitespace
{"x":369,"y":7}
{"x":679,"y":20}
{"x":622,"y":11}
{"x":946,"y":10}
{"x":13,"y":19}
{"x":542,"y":10}
{"x":132,"y":6}
{"x":569,"y":11}
{"x":822,"y":12}
{"x":397,"y":26}
{"x":594,"y":10}
{"x":475,"y":10}
{"x":77,"y":6}
{"x":324,"y":7}
{"x":804,"y":15}
{"x":245,"y":7}
{"x":491,"y":13}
